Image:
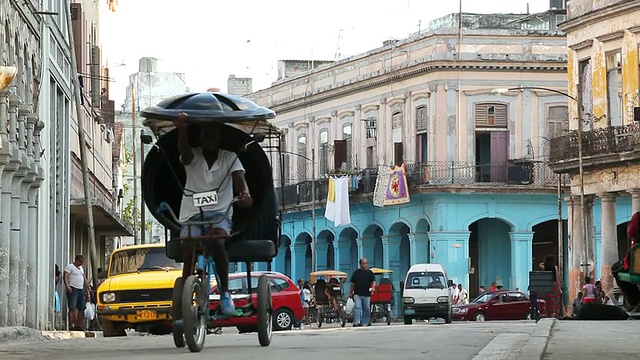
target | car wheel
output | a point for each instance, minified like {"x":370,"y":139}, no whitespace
{"x":408,"y":320}
{"x":282,"y":320}
{"x":480,"y":316}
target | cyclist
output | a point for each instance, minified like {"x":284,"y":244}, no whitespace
{"x":210,"y":169}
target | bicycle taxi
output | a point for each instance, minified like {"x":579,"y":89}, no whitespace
{"x":327,"y":310}
{"x":246,"y":132}
{"x":382,"y":298}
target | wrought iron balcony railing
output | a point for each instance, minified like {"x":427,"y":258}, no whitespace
{"x":436,"y":173}
{"x":605,"y":141}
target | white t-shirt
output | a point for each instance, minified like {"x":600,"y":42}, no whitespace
{"x":453,"y":292}
{"x":463,"y":296}
{"x":76,"y":276}
{"x":201,"y":178}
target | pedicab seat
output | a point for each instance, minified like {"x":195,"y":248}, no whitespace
{"x":633,"y":275}
{"x":320,"y":297}
{"x":258,"y":226}
{"x":383,"y":293}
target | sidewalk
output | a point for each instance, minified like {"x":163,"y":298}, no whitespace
{"x":21,"y":333}
{"x":568,"y":339}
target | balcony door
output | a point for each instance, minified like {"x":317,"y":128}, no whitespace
{"x":492,"y":155}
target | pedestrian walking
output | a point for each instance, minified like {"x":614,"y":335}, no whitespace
{"x":363,"y":284}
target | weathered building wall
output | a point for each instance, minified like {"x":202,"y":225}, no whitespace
{"x":21,"y":167}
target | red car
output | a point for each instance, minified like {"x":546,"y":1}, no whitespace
{"x":499,"y":305}
{"x":285,"y":298}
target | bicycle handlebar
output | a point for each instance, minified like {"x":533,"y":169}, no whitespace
{"x":164,"y":207}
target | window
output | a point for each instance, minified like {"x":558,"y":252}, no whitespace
{"x":371,"y":120}
{"x":585,"y":96}
{"x":396,"y":120}
{"x":491,"y":115}
{"x":557,"y":121}
{"x":301,"y":161}
{"x":422,"y":119}
{"x":324,"y":152}
{"x":514,"y":297}
{"x":426,"y":280}
{"x":614,"y":89}
{"x":347,"y":137}
{"x":278,"y":284}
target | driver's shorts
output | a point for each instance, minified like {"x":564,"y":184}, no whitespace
{"x":199,"y":230}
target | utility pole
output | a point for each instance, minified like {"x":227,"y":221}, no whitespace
{"x":93,"y":256}
{"x":143,"y":222}
{"x":135,"y":166}
{"x":313,"y":211}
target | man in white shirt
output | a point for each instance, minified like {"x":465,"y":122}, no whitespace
{"x":76,"y":283}
{"x":453,"y":292}
{"x":216,"y":172}
{"x":463,"y":295}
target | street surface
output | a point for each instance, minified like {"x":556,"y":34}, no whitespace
{"x":419,"y":341}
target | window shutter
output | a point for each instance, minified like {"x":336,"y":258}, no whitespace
{"x":498,"y":117}
{"x":422,"y":118}
{"x":398,"y":153}
{"x":396,"y":120}
{"x":339,"y":153}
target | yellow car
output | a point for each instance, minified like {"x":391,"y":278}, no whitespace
{"x":138,"y":290}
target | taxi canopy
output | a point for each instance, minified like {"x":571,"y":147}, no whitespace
{"x":342,"y":276}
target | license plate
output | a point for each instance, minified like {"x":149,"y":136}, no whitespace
{"x":146,"y":315}
{"x":409,"y":311}
{"x":205,"y":198}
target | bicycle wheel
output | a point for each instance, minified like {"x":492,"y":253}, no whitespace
{"x":264,"y":309}
{"x":194,"y":313}
{"x":177,"y":326}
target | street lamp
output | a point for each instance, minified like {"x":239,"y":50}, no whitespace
{"x":7,"y":74}
{"x":313,"y":201}
{"x":580,"y":162}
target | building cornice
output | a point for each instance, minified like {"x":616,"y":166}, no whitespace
{"x":582,"y":45}
{"x":409,"y":72}
{"x":599,"y":15}
{"x":611,"y":36}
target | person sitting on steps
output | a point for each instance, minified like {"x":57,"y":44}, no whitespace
{"x":207,"y":168}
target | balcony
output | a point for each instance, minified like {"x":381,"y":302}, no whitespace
{"x":601,"y":148}
{"x":437,"y":176}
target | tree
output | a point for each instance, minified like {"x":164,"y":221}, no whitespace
{"x":127,"y":216}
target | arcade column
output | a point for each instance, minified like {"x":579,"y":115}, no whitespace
{"x":451,"y":250}
{"x":419,"y":248}
{"x":342,"y":256}
{"x":365,"y":249}
{"x":321,"y":256}
{"x":298,"y":262}
{"x":521,"y":256}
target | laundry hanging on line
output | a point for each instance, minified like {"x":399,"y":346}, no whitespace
{"x":337,"y":208}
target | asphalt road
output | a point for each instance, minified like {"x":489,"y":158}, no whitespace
{"x":418,"y":341}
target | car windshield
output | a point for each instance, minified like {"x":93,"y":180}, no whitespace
{"x":137,"y":260}
{"x":484,"y":298}
{"x":426,"y":280}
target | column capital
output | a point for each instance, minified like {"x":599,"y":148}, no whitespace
{"x":521,"y":235}
{"x":391,"y":239}
{"x":634,"y":192}
{"x":24,"y":109}
{"x":294,"y":247}
{"x":608,"y":197}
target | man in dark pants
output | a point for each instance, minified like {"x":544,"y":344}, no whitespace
{"x":630,"y":291}
{"x":363,"y":284}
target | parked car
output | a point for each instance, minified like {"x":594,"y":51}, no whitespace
{"x":285,"y":295}
{"x":499,"y":305}
{"x":137,"y":291}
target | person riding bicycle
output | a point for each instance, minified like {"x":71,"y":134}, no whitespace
{"x":209,"y":168}
{"x":333,"y":293}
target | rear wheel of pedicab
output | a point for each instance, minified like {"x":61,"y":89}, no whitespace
{"x":343,"y":317}
{"x":388,"y":315}
{"x":320,"y":317}
{"x":176,"y":313}
{"x":194,"y":313}
{"x":264,"y":309}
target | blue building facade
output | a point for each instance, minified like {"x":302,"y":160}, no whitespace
{"x":478,"y":238}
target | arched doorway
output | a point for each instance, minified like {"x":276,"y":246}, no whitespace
{"x":325,"y":256}
{"x":490,"y":254}
{"x":346,"y":250}
{"x":372,"y":246}
{"x":283,"y":260}
{"x":545,"y":242}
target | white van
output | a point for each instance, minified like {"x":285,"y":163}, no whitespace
{"x":425,"y":294}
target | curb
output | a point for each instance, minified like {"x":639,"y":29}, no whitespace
{"x":537,"y":342}
{"x":65,"y":335}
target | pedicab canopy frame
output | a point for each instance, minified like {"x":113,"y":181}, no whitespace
{"x":342,"y":276}
{"x":246,"y":131}
{"x":379,"y":271}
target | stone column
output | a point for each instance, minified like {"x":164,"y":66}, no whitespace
{"x":635,"y":200}
{"x":321,"y":256}
{"x":597,"y":238}
{"x":365,"y":248}
{"x":576,"y":250}
{"x":10,"y":203}
{"x":451,"y":250}
{"x":521,"y":255}
{"x":42,"y":245}
{"x":32,"y":265}
{"x":609,"y":233}
{"x":298,"y":261}
{"x":342,"y":256}
{"x":5,"y":154}
{"x":419,"y":248}
{"x":26,"y":176}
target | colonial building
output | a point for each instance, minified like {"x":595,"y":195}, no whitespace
{"x":21,"y":166}
{"x":483,"y":201}
{"x":603,"y":39}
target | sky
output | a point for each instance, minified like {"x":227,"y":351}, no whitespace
{"x":210,"y":39}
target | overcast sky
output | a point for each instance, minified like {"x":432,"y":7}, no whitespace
{"x":208,"y":40}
